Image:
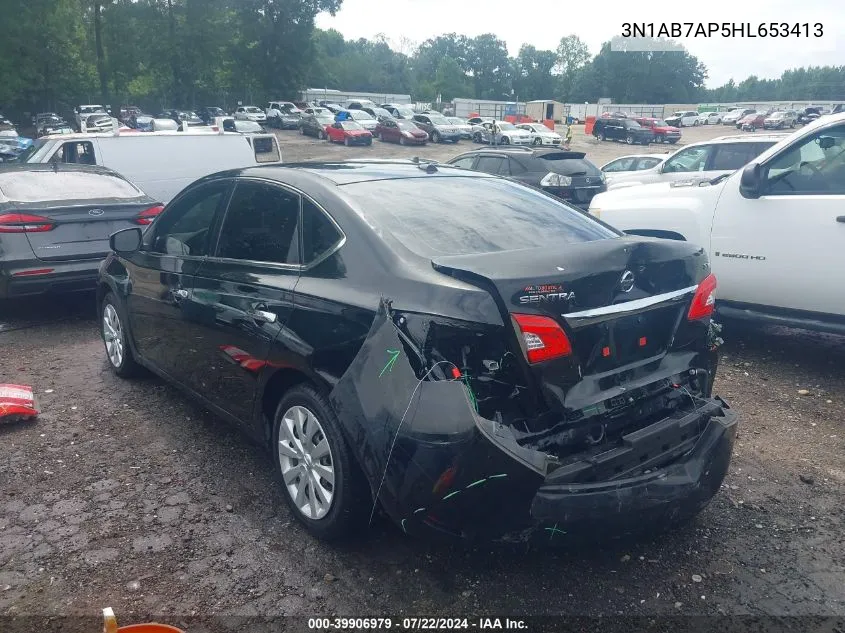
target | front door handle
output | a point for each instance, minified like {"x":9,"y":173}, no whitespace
{"x":841,"y":218}
{"x":260,"y":314}
{"x":178,"y":294}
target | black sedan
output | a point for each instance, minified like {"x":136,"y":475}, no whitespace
{"x":569,"y":176}
{"x":315,"y":124}
{"x":55,"y":222}
{"x":514,"y":370}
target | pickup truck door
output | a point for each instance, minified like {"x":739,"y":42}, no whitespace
{"x":786,"y":248}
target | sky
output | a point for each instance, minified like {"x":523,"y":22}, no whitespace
{"x":408,"y":22}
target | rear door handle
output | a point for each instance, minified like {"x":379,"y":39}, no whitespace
{"x":260,"y":314}
{"x":841,"y":218}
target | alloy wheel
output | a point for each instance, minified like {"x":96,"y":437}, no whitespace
{"x":306,"y":462}
{"x":113,"y":335}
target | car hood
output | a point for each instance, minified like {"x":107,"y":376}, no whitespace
{"x":665,"y":128}
{"x":445,"y":128}
{"x":655,"y":196}
{"x":356,"y":132}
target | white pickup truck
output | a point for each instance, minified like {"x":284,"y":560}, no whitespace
{"x":774,"y":230}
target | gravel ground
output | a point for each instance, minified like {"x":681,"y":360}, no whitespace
{"x":127,"y":494}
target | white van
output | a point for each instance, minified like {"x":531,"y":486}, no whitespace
{"x":160,"y":163}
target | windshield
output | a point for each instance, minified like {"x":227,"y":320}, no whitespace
{"x":506,"y":126}
{"x":438,"y":119}
{"x":405,"y":112}
{"x":360,"y":115}
{"x":631,"y":124}
{"x":381,"y":112}
{"x":570,"y":164}
{"x":496,"y":215}
{"x":661,"y":123}
{"x":350,"y":125}
{"x":404,"y":124}
{"x":325,"y":119}
{"x":455,"y":120}
{"x":89,"y":109}
{"x":777,"y":115}
{"x":24,"y":156}
{"x":248,"y":126}
{"x":253,"y":110}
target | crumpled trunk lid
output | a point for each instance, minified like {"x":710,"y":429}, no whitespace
{"x":620,"y":301}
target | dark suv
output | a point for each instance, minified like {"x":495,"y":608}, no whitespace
{"x":619,"y":129}
{"x":566,"y":175}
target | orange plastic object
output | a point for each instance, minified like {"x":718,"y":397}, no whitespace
{"x":549,"y":123}
{"x":590,"y":122}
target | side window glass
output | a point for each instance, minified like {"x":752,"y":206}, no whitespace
{"x":691,"y":159}
{"x":815,"y":166}
{"x":647,"y":163}
{"x":489,"y":164}
{"x":733,"y":155}
{"x":464,"y":163}
{"x":319,"y":234}
{"x":184,"y":227}
{"x":260,"y":225}
{"x":622,"y":164}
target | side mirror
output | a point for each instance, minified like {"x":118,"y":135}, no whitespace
{"x":751,"y":182}
{"x":126,"y":240}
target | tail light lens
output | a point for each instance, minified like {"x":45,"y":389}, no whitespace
{"x":555,"y":180}
{"x":148,"y":215}
{"x":24,"y":223}
{"x":704,"y":301}
{"x":543,"y":337}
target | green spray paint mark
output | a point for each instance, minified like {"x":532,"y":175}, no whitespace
{"x":476,"y":483}
{"x":554,"y":530}
{"x":394,"y":354}
{"x":451,"y":494}
{"x":497,"y":476}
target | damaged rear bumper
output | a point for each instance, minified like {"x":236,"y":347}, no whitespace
{"x":664,"y":495}
{"x":439,"y":469}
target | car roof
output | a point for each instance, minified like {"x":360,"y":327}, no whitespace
{"x":353,"y":171}
{"x":736,"y":138}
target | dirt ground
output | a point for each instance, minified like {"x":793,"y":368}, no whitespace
{"x":126,"y":494}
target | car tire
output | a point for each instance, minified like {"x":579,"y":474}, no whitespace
{"x":346,"y":142}
{"x":323,"y":135}
{"x":369,"y":142}
{"x":477,"y":137}
{"x":505,"y":141}
{"x":673,"y":141}
{"x":537,"y":141}
{"x":602,"y":136}
{"x":792,"y":125}
{"x":659,"y":139}
{"x":302,"y":131}
{"x":630,"y":140}
{"x":113,"y":324}
{"x":402,"y":140}
{"x":435,"y":137}
{"x":340,"y":506}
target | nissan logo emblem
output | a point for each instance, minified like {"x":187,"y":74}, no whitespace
{"x":626,"y":284}
{"x":96,"y":212}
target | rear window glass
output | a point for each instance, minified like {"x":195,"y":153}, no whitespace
{"x":34,"y":186}
{"x":568,"y":166}
{"x":453,"y":216}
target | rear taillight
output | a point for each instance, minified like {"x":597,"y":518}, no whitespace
{"x":704,"y":301}
{"x":148,"y":215}
{"x":542,"y":337}
{"x":24,"y":223}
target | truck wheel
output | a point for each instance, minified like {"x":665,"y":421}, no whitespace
{"x":659,"y":139}
{"x":629,"y":139}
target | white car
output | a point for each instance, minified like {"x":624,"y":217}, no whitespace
{"x":774,"y":231}
{"x":685,"y":118}
{"x":367,"y":120}
{"x":634,"y":162}
{"x":84,"y":110}
{"x":464,"y":126}
{"x":278,"y":110}
{"x":250,"y":113}
{"x":699,"y":161}
{"x":540,"y":134}
{"x":735,"y":114}
{"x":710,"y":118}
{"x":502,"y":133}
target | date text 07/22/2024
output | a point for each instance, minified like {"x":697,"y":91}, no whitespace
{"x":722,"y":29}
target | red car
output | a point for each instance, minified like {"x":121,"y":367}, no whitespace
{"x":751,"y":122}
{"x":348,"y":133}
{"x":663,"y":132}
{"x":402,"y":131}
